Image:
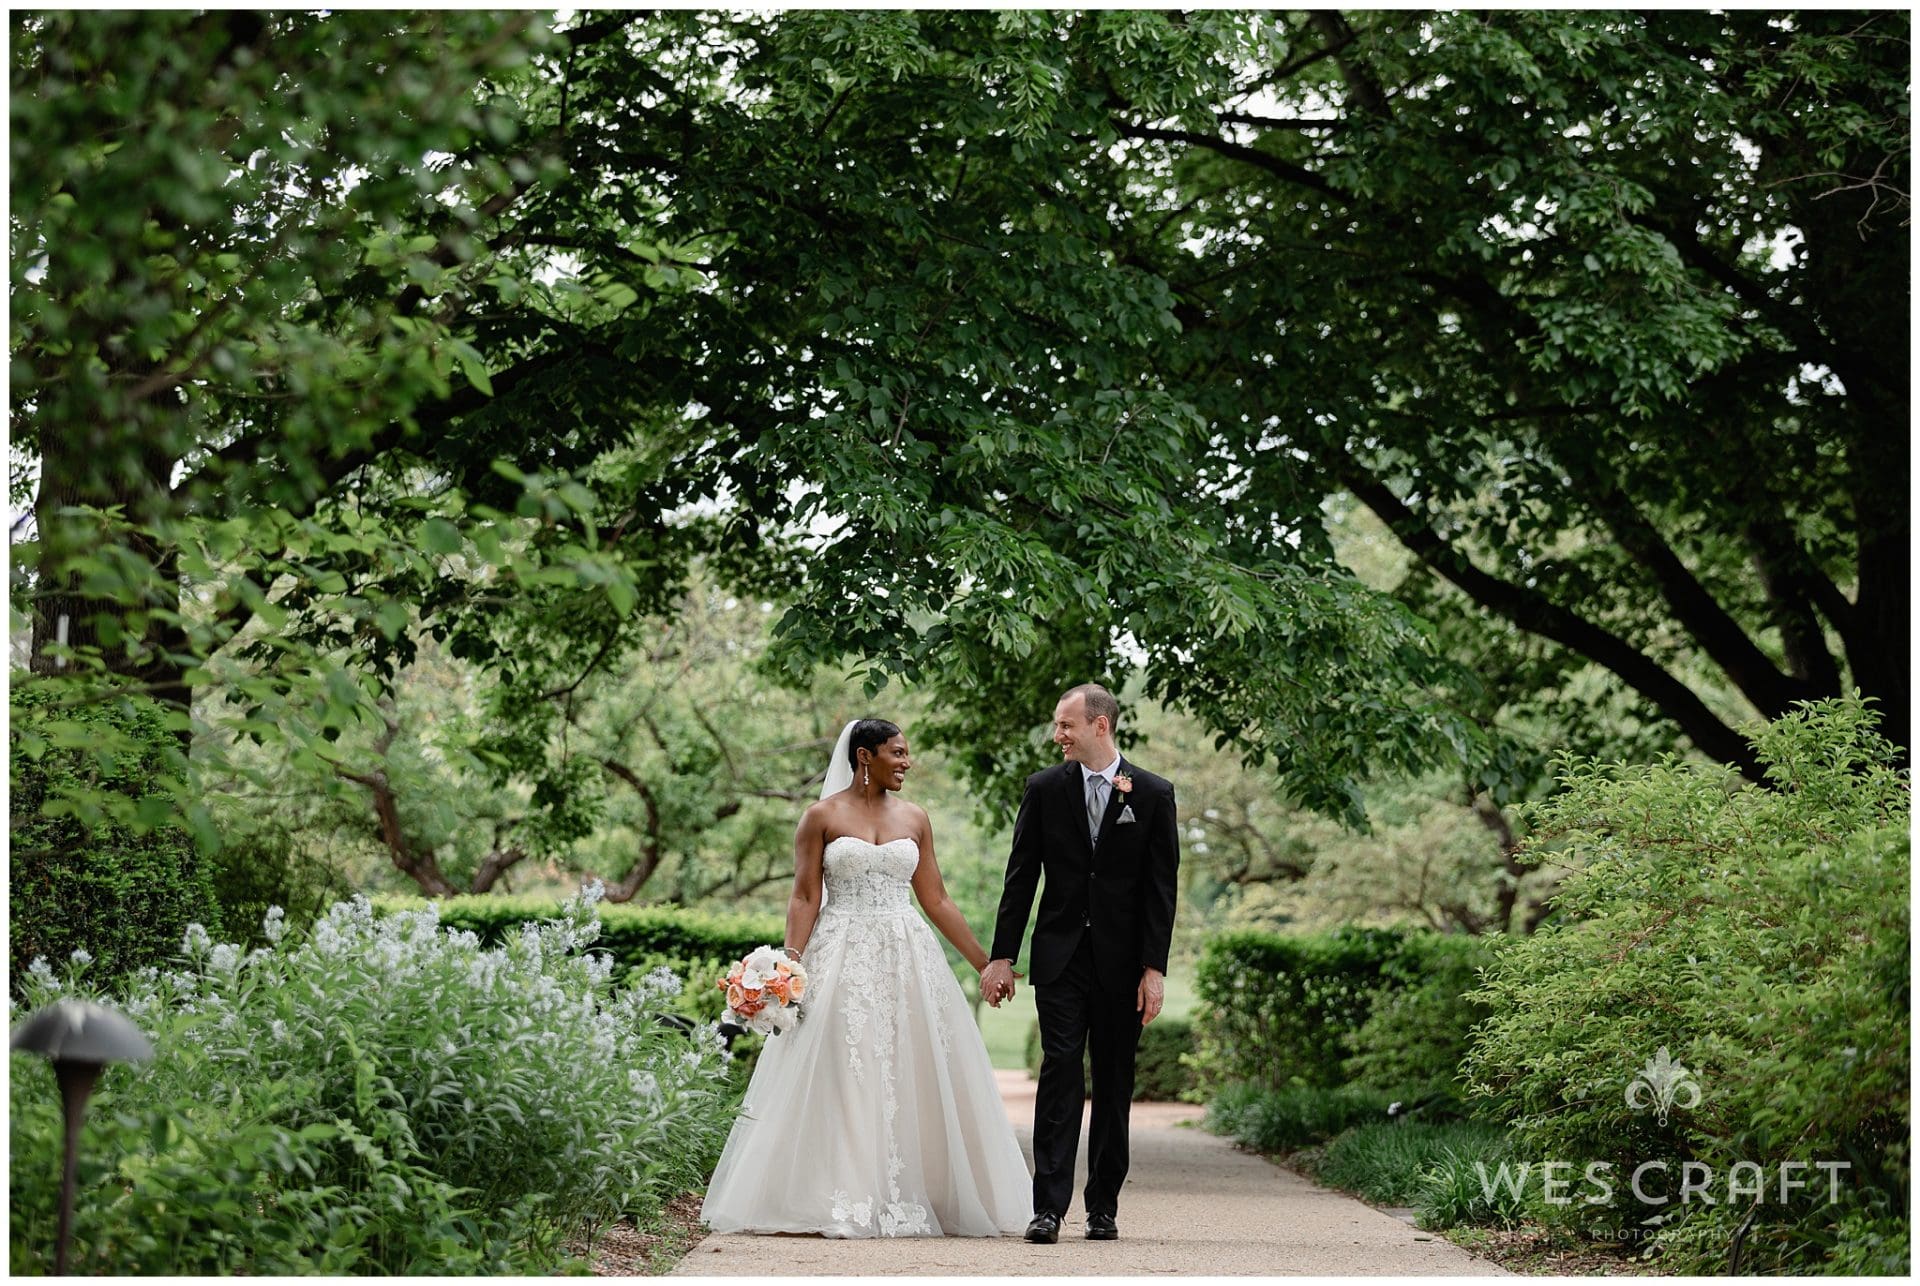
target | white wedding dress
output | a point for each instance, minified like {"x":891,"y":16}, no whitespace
{"x":878,"y":1115}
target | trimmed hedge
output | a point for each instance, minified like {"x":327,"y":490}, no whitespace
{"x":1277,"y":1011}
{"x":1420,"y":1024}
{"x":1383,"y":1007}
{"x":1159,"y":1075}
{"x":698,"y":946}
{"x":122,"y":893}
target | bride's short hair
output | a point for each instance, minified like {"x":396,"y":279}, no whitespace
{"x":869,"y":734}
{"x":1099,"y":702}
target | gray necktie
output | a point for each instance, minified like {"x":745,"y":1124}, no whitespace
{"x":1096,"y":804}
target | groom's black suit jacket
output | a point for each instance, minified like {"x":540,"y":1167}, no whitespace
{"x":1121,"y":891}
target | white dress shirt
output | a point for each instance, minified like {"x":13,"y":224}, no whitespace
{"x":1088,"y":774}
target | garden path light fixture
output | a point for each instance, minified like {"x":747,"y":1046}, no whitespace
{"x":79,"y":1038}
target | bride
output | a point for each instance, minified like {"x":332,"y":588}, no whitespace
{"x":878,"y":1115}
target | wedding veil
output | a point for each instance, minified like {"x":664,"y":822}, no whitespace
{"x":839,"y":768}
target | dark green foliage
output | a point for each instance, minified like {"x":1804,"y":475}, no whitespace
{"x":1603,"y":344}
{"x":1381,"y":1008}
{"x":1758,"y":936}
{"x":1159,"y":1074}
{"x":261,"y":867}
{"x":207,"y":1188}
{"x":1277,"y":1011}
{"x":1386,"y":1162}
{"x":123,"y":885}
{"x":1416,"y":1031}
{"x":1270,"y":1120}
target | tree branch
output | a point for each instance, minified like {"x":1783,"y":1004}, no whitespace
{"x":650,"y":855}
{"x":1366,"y":90}
{"x":419,"y":866}
{"x":1537,"y":614}
{"x":1721,"y":637}
{"x":1274,"y":165}
{"x":494,"y":865}
{"x":1280,"y":122}
{"x":567,"y":689}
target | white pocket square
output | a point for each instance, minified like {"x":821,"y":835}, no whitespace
{"x":1126,"y":817}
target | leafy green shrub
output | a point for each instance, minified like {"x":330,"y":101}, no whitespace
{"x":1159,"y":1073}
{"x":1274,"y":1010}
{"x":99,"y":862}
{"x":1383,"y":1161}
{"x":1417,"y":1028}
{"x":1387,"y":1009}
{"x":192,"y":1187}
{"x":1759,"y":937}
{"x":1269,"y":1120}
{"x":512,"y":1095}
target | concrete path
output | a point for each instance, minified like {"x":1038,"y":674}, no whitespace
{"x":1193,"y":1205}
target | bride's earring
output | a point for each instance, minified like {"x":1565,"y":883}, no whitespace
{"x":864,"y":779}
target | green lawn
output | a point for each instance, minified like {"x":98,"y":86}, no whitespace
{"x":1005,"y":1029}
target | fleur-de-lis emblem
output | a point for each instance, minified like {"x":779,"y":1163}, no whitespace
{"x":1663,"y":1084}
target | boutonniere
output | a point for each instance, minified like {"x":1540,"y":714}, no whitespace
{"x":1123,"y":783}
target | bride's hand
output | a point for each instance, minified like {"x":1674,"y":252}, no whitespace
{"x":996,"y":981}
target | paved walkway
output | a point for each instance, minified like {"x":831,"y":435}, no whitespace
{"x":1193,"y":1205}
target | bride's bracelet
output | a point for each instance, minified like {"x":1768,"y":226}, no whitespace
{"x":791,"y":953}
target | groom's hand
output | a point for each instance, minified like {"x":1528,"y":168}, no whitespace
{"x":1151,"y":995}
{"x":996,"y":981}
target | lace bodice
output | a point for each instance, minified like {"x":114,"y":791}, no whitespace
{"x":865,"y":878}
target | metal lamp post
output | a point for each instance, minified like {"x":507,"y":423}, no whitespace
{"x":79,"y":1038}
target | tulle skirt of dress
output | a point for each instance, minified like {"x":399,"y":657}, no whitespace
{"x":878,"y":1115}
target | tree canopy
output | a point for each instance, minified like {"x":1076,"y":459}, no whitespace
{"x":1001,"y":349}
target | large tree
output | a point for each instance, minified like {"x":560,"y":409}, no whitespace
{"x":1012,"y":348}
{"x":247,"y":253}
{"x":1066,"y":327}
{"x":1605,"y":316}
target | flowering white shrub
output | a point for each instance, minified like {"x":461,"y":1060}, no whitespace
{"x":519,"y":1072}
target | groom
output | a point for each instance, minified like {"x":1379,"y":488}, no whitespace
{"x":1104,"y":833}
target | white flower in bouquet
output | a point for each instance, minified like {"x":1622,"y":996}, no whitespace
{"x":758,"y":967}
{"x":764,"y":991}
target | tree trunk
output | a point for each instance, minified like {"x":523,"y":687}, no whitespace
{"x":134,"y":645}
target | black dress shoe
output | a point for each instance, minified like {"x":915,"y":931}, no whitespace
{"x":1102,"y":1228}
{"x":1045,"y":1229}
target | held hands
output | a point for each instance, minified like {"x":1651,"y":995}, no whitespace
{"x":1151,"y":995}
{"x":996,"y":982}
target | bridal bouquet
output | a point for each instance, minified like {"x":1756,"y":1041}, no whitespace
{"x":764,"y":991}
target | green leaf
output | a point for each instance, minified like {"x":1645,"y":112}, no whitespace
{"x":439,"y":536}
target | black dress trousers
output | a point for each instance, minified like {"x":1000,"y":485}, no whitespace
{"x":1077,"y":1010}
